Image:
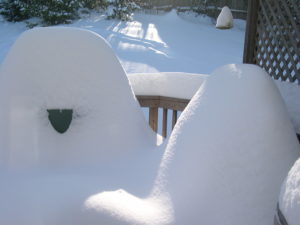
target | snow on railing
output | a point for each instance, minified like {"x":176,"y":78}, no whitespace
{"x":166,"y":91}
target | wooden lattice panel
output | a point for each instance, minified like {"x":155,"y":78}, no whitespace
{"x":277,"y":45}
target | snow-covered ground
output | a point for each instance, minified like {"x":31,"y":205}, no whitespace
{"x":166,"y":43}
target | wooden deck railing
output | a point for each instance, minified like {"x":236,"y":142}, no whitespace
{"x":166,"y":103}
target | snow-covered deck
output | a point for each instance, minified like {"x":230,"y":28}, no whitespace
{"x":223,"y":164}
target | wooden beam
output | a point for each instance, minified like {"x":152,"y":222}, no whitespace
{"x":250,"y":35}
{"x":162,"y":102}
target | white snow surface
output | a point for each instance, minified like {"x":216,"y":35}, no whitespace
{"x":225,"y":19}
{"x":243,"y":148}
{"x":156,"y":43}
{"x":230,"y":172}
{"x":176,"y":85}
{"x":289,"y":200}
{"x":67,"y":68}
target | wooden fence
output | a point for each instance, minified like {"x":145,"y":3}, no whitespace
{"x":272,"y":38}
{"x":209,"y":7}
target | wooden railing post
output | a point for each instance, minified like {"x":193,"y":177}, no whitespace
{"x":174,"y":118}
{"x":153,"y":118}
{"x":249,"y":46}
{"x":165,"y":103}
{"x":165,"y":123}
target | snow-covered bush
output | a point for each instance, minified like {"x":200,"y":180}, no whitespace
{"x":94,"y":4}
{"x":123,"y":9}
{"x":225,"y":19}
{"x":14,"y":10}
{"x":199,"y":6}
{"x":50,"y":12}
{"x":59,"y":11}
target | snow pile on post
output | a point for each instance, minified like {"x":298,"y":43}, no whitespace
{"x":289,"y":200}
{"x":67,"y":68}
{"x":225,"y":19}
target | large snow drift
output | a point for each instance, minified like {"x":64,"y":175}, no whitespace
{"x":67,"y":68}
{"x":225,"y":160}
{"x":230,"y":172}
{"x":289,"y":200}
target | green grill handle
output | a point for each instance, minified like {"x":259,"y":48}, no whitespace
{"x":60,"y":119}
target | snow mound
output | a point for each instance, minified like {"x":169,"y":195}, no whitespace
{"x":289,"y":200}
{"x":49,"y":176}
{"x":230,"y":151}
{"x":125,"y":207}
{"x":225,"y":19}
{"x":67,"y":68}
{"x":225,"y":160}
{"x":168,"y":84}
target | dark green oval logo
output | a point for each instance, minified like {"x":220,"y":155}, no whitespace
{"x":60,"y":119}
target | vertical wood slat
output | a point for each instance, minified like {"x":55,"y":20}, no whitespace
{"x":174,"y":118}
{"x":165,"y":122}
{"x":153,"y":118}
{"x":250,"y":35}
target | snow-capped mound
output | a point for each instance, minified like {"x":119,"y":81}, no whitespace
{"x":230,"y":151}
{"x":225,"y":19}
{"x":224,"y":162}
{"x":289,"y":200}
{"x":67,"y":68}
{"x":48,"y":175}
{"x":168,"y":84}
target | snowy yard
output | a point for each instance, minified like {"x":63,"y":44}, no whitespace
{"x":158,"y":43}
{"x":223,"y":164}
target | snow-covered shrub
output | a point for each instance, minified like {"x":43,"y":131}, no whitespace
{"x":123,"y":9}
{"x":199,"y":6}
{"x":14,"y":10}
{"x":94,"y":4}
{"x":225,"y":19}
{"x":50,"y":12}
{"x":59,"y":11}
